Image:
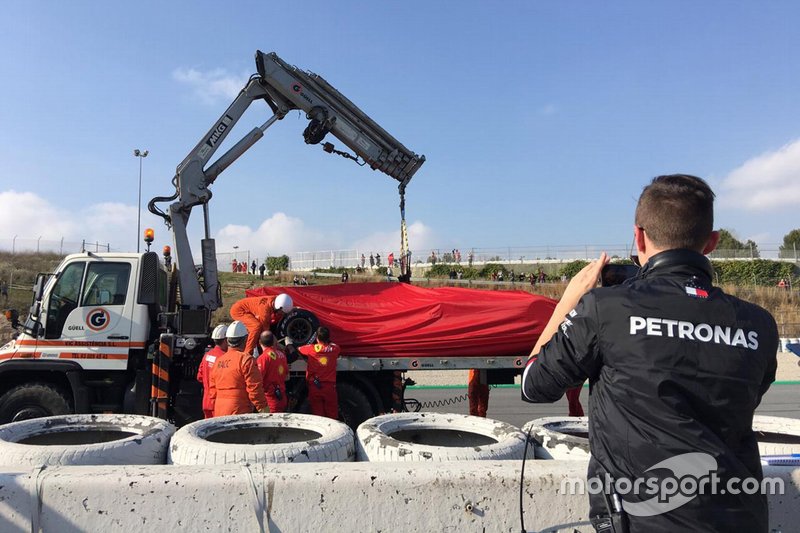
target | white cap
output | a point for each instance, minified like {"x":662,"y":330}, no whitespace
{"x":284,"y":303}
{"x":219,"y":332}
{"x":236,"y":330}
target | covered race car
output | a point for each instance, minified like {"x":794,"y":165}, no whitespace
{"x":395,"y":320}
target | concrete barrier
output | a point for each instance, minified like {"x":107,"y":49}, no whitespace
{"x":455,"y":496}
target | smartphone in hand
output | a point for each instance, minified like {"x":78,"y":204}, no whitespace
{"x":614,"y":274}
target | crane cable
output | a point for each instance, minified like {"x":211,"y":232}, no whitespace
{"x":405,"y":253}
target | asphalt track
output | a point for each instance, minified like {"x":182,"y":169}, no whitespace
{"x":782,"y":399}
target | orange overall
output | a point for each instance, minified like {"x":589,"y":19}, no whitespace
{"x":256,"y":314}
{"x":321,"y":378}
{"x":478,"y":394}
{"x":235,"y":384}
{"x":274,"y":370}
{"x":204,"y":376}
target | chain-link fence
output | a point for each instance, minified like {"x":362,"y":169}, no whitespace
{"x":17,"y":244}
{"x":509,"y":255}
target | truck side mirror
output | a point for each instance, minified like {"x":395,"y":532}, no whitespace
{"x":38,"y":287}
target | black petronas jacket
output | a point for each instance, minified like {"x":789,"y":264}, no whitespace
{"x":675,"y":366}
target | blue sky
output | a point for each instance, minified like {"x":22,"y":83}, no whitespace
{"x":540,"y":121}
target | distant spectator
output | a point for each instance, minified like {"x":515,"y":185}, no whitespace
{"x":512,"y":276}
{"x":471,"y":257}
{"x":459,"y":274}
{"x":377,"y":260}
{"x":782,"y":284}
{"x":363,"y":260}
{"x":371,"y":260}
{"x":533,"y":279}
{"x":345,"y":277}
{"x":458,"y":256}
{"x":390,"y":259}
{"x":4,"y":291}
{"x":303,"y":281}
{"x":389,"y":273}
{"x":261,"y":270}
{"x":542,"y":277}
{"x":433,"y":258}
{"x":494,"y":275}
{"x":499,"y":275}
{"x":452,"y":273}
{"x":234,"y":266}
{"x":296,"y":280}
{"x":253,"y":267}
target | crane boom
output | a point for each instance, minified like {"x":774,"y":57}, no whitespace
{"x":284,"y":88}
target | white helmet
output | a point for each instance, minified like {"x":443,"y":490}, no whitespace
{"x":284,"y":303}
{"x":236,"y":330}
{"x":219,"y":332}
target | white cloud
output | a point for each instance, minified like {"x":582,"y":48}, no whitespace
{"x":277,"y":235}
{"x":32,"y":218}
{"x":768,"y":181}
{"x":420,"y":238}
{"x":213,"y":85}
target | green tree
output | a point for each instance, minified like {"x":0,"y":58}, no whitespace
{"x":276,"y":263}
{"x":730,"y":246}
{"x":791,"y":243}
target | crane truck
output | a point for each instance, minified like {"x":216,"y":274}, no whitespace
{"x":125,"y":332}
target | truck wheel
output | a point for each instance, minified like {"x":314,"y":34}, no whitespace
{"x":32,"y":400}
{"x":86,"y":440}
{"x":354,"y":405}
{"x":560,"y":437}
{"x":437,"y":437}
{"x":777,"y":435}
{"x":301,"y":325}
{"x":262,"y":438}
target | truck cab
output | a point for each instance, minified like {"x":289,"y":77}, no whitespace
{"x":85,"y":338}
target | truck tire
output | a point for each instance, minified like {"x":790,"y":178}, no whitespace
{"x":437,"y":437}
{"x":262,"y":438}
{"x":354,"y":405}
{"x":86,"y":440}
{"x":301,"y":325}
{"x":32,"y":400}
{"x":777,"y":435}
{"x":560,"y":437}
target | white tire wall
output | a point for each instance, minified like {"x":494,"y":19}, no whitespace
{"x":262,"y":438}
{"x":84,"y":439}
{"x":560,"y":437}
{"x":449,"y":437}
{"x":783,"y":428}
{"x":554,"y":436}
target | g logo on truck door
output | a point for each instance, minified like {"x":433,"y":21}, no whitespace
{"x":98,"y":319}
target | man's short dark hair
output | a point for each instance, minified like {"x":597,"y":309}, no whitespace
{"x":323,"y":334}
{"x":266,"y":338}
{"x":677,"y":211}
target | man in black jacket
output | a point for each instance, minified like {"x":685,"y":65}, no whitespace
{"x":676,"y":368}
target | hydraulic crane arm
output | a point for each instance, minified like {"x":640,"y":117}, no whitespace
{"x":284,"y":88}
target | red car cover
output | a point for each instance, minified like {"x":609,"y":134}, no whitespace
{"x":400,"y":320}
